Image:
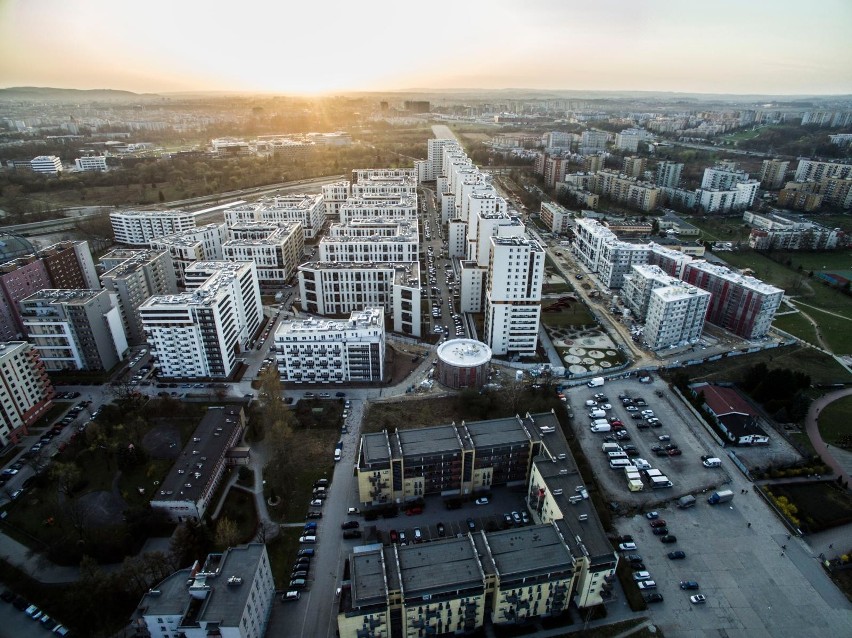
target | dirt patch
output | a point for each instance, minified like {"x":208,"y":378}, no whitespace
{"x":162,"y":442}
{"x":102,"y":508}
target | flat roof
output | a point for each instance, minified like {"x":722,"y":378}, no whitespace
{"x":497,"y":432}
{"x":369,"y":317}
{"x":375,"y":448}
{"x":428,"y":441}
{"x":367,"y":574}
{"x":439,"y":567}
{"x":528,"y":552}
{"x":464,"y":352}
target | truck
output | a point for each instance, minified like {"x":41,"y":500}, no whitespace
{"x":595,"y":382}
{"x":653,"y":473}
{"x":659,"y":482}
{"x":686,"y":501}
{"x":610,"y":447}
{"x":635,"y":486}
{"x":720,"y":496}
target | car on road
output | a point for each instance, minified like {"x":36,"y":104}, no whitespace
{"x":678,"y":555}
{"x":653,"y":597}
{"x":669,"y":538}
{"x":646,"y":584}
{"x":306,"y":552}
{"x":507,"y":519}
{"x":340,"y":395}
{"x":664,"y":437}
{"x":688,"y":584}
{"x":442,"y":531}
{"x":660,"y":531}
{"x":627,"y":547}
{"x":324,"y":395}
{"x":698,"y":599}
{"x":298,"y":583}
{"x":631,"y":408}
{"x":309,"y":395}
{"x":350,"y":525}
{"x":482,"y":501}
{"x":313,"y":515}
{"x":394,"y":536}
{"x":308,"y":538}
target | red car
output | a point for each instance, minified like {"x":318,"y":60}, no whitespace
{"x":658,"y":523}
{"x":394,"y":537}
{"x":617,"y":423}
{"x":413,"y":510}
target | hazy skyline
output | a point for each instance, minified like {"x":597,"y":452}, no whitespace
{"x":728,"y":46}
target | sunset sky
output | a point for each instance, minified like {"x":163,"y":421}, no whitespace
{"x":726,"y":46}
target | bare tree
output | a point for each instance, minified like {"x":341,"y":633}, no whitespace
{"x":227,"y":533}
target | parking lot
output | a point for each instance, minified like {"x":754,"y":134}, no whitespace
{"x":684,"y":468}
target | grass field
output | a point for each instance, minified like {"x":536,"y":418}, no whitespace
{"x":835,"y":421}
{"x":239,"y":507}
{"x":576,"y":315}
{"x":796,"y":325}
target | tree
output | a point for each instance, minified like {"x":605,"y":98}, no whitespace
{"x":67,"y":476}
{"x":161,"y":197}
{"x":190,"y":542}
{"x":227,"y":533}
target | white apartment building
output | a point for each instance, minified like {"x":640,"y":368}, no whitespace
{"x":616,"y":260}
{"x":722,"y":177}
{"x":332,"y":351}
{"x":75,"y":329}
{"x":638,"y":285}
{"x":513,"y":295}
{"x":140,"y":227}
{"x":434,"y":166}
{"x":282,"y":209}
{"x":385,"y":206}
{"x":591,"y":141}
{"x":456,"y":239}
{"x":814,"y":171}
{"x":472,"y":280}
{"x":231,"y":595}
{"x":360,"y":175}
{"x":190,"y":246}
{"x":395,"y":185}
{"x":590,"y":236}
{"x":675,"y":315}
{"x":275,"y":249}
{"x":333,"y":197}
{"x":365,"y":240}
{"x":668,"y":174}
{"x":771,"y":230}
{"x":26,"y":393}
{"x":485,"y":225}
{"x":556,"y":218}
{"x":628,"y":140}
{"x":332,"y":288}
{"x":138,"y":275}
{"x":96,"y":163}
{"x":197,"y":334}
{"x":739,"y":197}
{"x":46,"y":165}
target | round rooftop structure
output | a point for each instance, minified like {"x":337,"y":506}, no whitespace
{"x":14,"y":246}
{"x":463,"y":363}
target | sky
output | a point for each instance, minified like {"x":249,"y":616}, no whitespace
{"x":778,"y":47}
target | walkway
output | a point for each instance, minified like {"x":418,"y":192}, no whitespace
{"x":812,"y":425}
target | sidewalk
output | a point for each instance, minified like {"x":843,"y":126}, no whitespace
{"x":821,"y":447}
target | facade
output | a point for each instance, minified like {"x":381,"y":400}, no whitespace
{"x":463,"y":363}
{"x":556,"y":218}
{"x":336,"y":289}
{"x":231,"y":596}
{"x":26,"y":393}
{"x":592,"y":141}
{"x":814,"y":171}
{"x":744,"y":305}
{"x":668,"y":174}
{"x":46,"y":165}
{"x":276,"y":250}
{"x":622,"y":188}
{"x":368,"y":240}
{"x":139,"y":227}
{"x":435,"y":156}
{"x":513,"y":295}
{"x":773,"y":231}
{"x":191,"y":246}
{"x":69,"y":264}
{"x":309,"y":210}
{"x":675,"y":315}
{"x":139,"y":274}
{"x":634,"y":166}
{"x":482,"y":226}
{"x":329,"y":351}
{"x":187,"y":491}
{"x":616,"y":260}
{"x":198,"y":333}
{"x":19,"y":278}
{"x":75,"y":329}
{"x":738,"y":421}
{"x":333,"y":197}
{"x":391,"y":183}
{"x":511,"y":576}
{"x":723,"y":176}
{"x":472,"y":279}
{"x":96,"y":163}
{"x":739,"y":197}
{"x":773,"y":173}
{"x":389,"y":207}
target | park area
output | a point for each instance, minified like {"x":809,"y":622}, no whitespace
{"x":835,"y":423}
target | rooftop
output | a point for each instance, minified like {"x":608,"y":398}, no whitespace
{"x":73,"y":296}
{"x":369,"y":586}
{"x":748,"y":282}
{"x":528,"y":552}
{"x":441,"y":439}
{"x":464,"y":352}
{"x":188,"y":237}
{"x":439,"y":567}
{"x":724,"y":400}
{"x":681,"y":290}
{"x":370,"y":317}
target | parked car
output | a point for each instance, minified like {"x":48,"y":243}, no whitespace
{"x":627,"y":547}
{"x":482,"y":501}
{"x":658,"y":523}
{"x":350,"y":525}
{"x":646,"y":584}
{"x":653,"y":598}
{"x":669,"y":538}
{"x":471,"y":524}
{"x":660,"y":531}
{"x":352,"y":533}
{"x":688,"y":584}
{"x":678,"y":555}
{"x":642,"y":575}
{"x":418,"y":535}
{"x":441,"y":529}
{"x":698,"y":599}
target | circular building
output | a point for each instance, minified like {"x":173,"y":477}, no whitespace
{"x":463,"y":363}
{"x":14,"y":246}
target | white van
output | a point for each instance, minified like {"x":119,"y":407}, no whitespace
{"x":597,"y":414}
{"x":617,"y":464}
{"x":714,"y":462}
{"x":617,"y":455}
{"x":611,"y":447}
{"x":308,"y":539}
{"x":601,"y":428}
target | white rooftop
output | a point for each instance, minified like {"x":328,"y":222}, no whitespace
{"x":464,"y":353}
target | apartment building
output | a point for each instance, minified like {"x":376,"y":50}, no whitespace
{"x":634,"y":166}
{"x":332,"y":351}
{"x":622,"y":188}
{"x":139,"y":227}
{"x":275,"y":249}
{"x":198,"y":333}
{"x":511,"y":576}
{"x":629,"y":139}
{"x":435,"y":156}
{"x":773,"y":173}
{"x":513,"y":295}
{"x":91,"y":163}
{"x":484,"y":225}
{"x":675,"y":316}
{"x":744,"y":305}
{"x":75,"y":329}
{"x":638,"y":285}
{"x":774,"y":231}
{"x":668,"y":174}
{"x":137,"y":275}
{"x":739,"y":197}
{"x":231,"y":594}
{"x":187,"y":491}
{"x":364,"y":240}
{"x":589,"y":237}
{"x":370,"y":184}
{"x":191,"y":246}
{"x":19,"y":278}
{"x":616,"y":260}
{"x":26,"y":393}
{"x":282,"y":209}
{"x":69,"y":265}
{"x":814,"y":171}
{"x":333,"y":197}
{"x":389,"y":207}
{"x":723,"y":176}
{"x":556,"y":218}
{"x":46,"y":165}
{"x":592,"y":141}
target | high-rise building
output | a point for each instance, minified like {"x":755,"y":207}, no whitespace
{"x":191,"y":246}
{"x":556,"y":218}
{"x":435,"y":157}
{"x":814,"y":171}
{"x":139,"y":227}
{"x":668,"y":174}
{"x":19,"y":279}
{"x":744,"y":305}
{"x":139,"y":275}
{"x":75,"y":329}
{"x":513,"y":295}
{"x":388,"y":207}
{"x":198,"y":334}
{"x":773,"y":173}
{"x":722,"y":177}
{"x":26,"y":393}
{"x":675,"y":315}
{"x":281,"y":209}
{"x":332,"y":350}
{"x":634,"y":166}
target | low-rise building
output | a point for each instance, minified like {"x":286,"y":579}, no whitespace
{"x":187,"y":491}
{"x":75,"y":329}
{"x":230,"y":595}
{"x":735,"y":417}
{"x":91,"y":163}
{"x":26,"y":393}
{"x":332,"y":351}
{"x":389,"y":207}
{"x":556,"y":218}
{"x":46,"y":165}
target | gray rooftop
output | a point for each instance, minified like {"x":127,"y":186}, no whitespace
{"x":529,"y":552}
{"x":428,"y":441}
{"x":436,"y":568}
{"x":375,"y":448}
{"x":497,"y":432}
{"x":368,"y":579}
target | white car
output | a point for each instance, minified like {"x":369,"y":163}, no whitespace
{"x":482,"y":501}
{"x":698,"y":599}
{"x":647,"y":584}
{"x":641,"y":576}
{"x":627,"y":547}
{"x":605,"y":406}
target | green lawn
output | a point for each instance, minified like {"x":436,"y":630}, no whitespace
{"x":821,"y":505}
{"x":796,"y":325}
{"x":577,"y":314}
{"x":835,"y":421}
{"x":239,"y":507}
{"x":282,"y":554}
